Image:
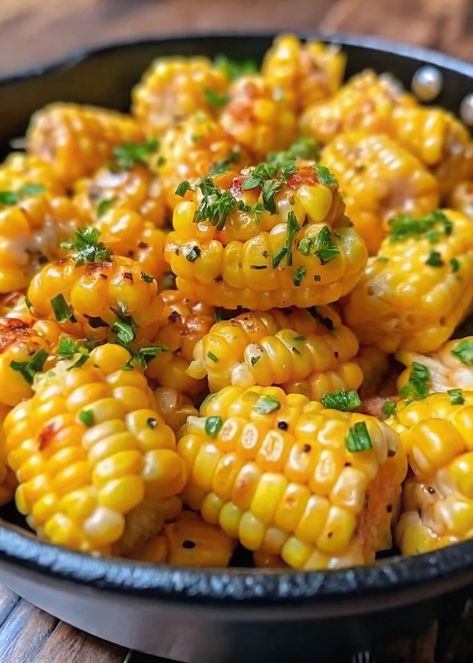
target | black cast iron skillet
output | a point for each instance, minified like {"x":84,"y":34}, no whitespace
{"x":239,"y":614}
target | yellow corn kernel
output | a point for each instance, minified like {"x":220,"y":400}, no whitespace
{"x":20,"y":170}
{"x":93,"y":468}
{"x":174,"y":407}
{"x":335,"y":514}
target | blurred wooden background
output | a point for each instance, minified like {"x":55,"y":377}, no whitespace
{"x":37,"y":31}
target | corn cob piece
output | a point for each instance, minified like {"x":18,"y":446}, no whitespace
{"x":184,"y":324}
{"x":76,"y":140}
{"x":256,"y":118}
{"x":136,"y":188}
{"x":285,"y":476}
{"x":379,"y":179}
{"x":365,"y":103}
{"x":7,"y":477}
{"x":414,"y":294}
{"x":303,"y":74}
{"x":95,"y":462}
{"x":451,"y":367}
{"x":193,"y":149}
{"x":174,"y":407}
{"x":31,"y":230}
{"x":461,"y":198}
{"x":374,"y":365}
{"x":107,"y":298}
{"x":437,"y":435}
{"x":308,"y":352}
{"x":439,"y":140}
{"x":173,"y":88}
{"x":283,"y":242}
{"x":189,"y":541}
{"x":22,"y":171}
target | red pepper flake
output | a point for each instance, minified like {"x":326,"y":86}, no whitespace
{"x":12,"y":329}
{"x":128,"y":276}
{"x":305,"y":175}
{"x":47,"y":435}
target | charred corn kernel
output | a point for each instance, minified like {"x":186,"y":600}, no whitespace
{"x":461,"y":198}
{"x":189,"y":541}
{"x":100,"y":300}
{"x":20,"y":171}
{"x":414,"y":294}
{"x":288,"y":480}
{"x":174,"y":407}
{"x":439,"y":140}
{"x":184,"y":324}
{"x":257,"y":118}
{"x":437,"y":435}
{"x":366,"y":102}
{"x":127,"y":233}
{"x":374,"y":365}
{"x":307,"y":352}
{"x":227,"y":253}
{"x":19,"y":342}
{"x":31,"y":231}
{"x":303,"y":74}
{"x":90,"y":460}
{"x":175,"y":87}
{"x":76,"y":140}
{"x":451,"y":367}
{"x":136,"y":188}
{"x":192,"y":149}
{"x":379,"y":179}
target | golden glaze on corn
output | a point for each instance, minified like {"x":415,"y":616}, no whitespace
{"x":173,"y":88}
{"x":378,"y":178}
{"x":404,"y":303}
{"x":76,"y":140}
{"x":96,"y":294}
{"x":188,"y":541}
{"x":303,"y":74}
{"x":437,"y":436}
{"x":20,"y":170}
{"x":234,"y":265}
{"x":305,"y":351}
{"x":184,"y":324}
{"x":285,"y":483}
{"x":96,"y":464}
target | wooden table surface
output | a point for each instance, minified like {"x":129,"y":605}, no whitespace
{"x":39,"y":31}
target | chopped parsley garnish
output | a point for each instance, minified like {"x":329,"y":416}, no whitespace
{"x":324,"y":247}
{"x":144,"y":355}
{"x":128,"y":154}
{"x":300,"y":274}
{"x":417,"y":387}
{"x":434,"y":259}
{"x":124,"y":326}
{"x":233,"y":69}
{"x":464,"y":352}
{"x":183,"y":188}
{"x":388,"y":408}
{"x":104,"y":205}
{"x":14,"y":197}
{"x":86,"y":247}
{"x":382,"y":259}
{"x":292,"y":228}
{"x":455,"y":264}
{"x":61,"y":309}
{"x":358,"y":438}
{"x":266,"y":404}
{"x":87,"y":417}
{"x":299,"y":339}
{"x":147,"y":278}
{"x":28,"y":369}
{"x":326,"y":322}
{"x":346,"y":401}
{"x":212,"y":357}
{"x":403,"y":226}
{"x":31,"y":189}
{"x":9,"y":198}
{"x":213,"y":426}
{"x":67,"y":349}
{"x":193,"y":254}
{"x":456,"y":396}
{"x":302,"y":148}
{"x":255,"y":360}
{"x":324,"y":175}
{"x":278,"y":256}
{"x":224,"y":164}
{"x":216,"y":203}
{"x":270,"y":178}
{"x":215,"y":98}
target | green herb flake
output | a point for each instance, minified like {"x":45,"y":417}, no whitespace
{"x":61,"y":309}
{"x":388,"y":408}
{"x":213,"y":426}
{"x":183,"y":188}
{"x":382,"y":259}
{"x":68,"y":349}
{"x":212,"y":357}
{"x":418,"y":384}
{"x":124,"y":326}
{"x":233,"y":69}
{"x":403,"y":226}
{"x":216,"y":203}
{"x":456,"y":396}
{"x":299,"y":339}
{"x":299,"y":277}
{"x":9,"y":198}
{"x":147,"y":278}
{"x":324,"y":176}
{"x":434,"y":259}
{"x":324,"y":247}
{"x":87,"y":417}
{"x":86,"y":247}
{"x":255,"y":360}
{"x":104,"y":205}
{"x":32,"y":189}
{"x":278,"y":256}
{"x":215,"y":98}
{"x":266,"y":405}
{"x":455,"y":265}
{"x":358,"y":438}
{"x":223,"y":165}
{"x":464,"y":352}
{"x":346,"y":401}
{"x":129,"y":154}
{"x":303,"y":148}
{"x":193,"y":254}
{"x":28,"y":369}
{"x":292,"y":228}
{"x":145,"y":354}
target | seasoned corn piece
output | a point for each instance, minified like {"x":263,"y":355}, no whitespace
{"x":95,"y":462}
{"x":76,"y":140}
{"x":305,"y":351}
{"x":175,"y":87}
{"x":419,"y":288}
{"x":303,"y":74}
{"x":379,"y":179}
{"x":174,"y":407}
{"x":289,"y":478}
{"x":22,"y":171}
{"x":283,"y":242}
